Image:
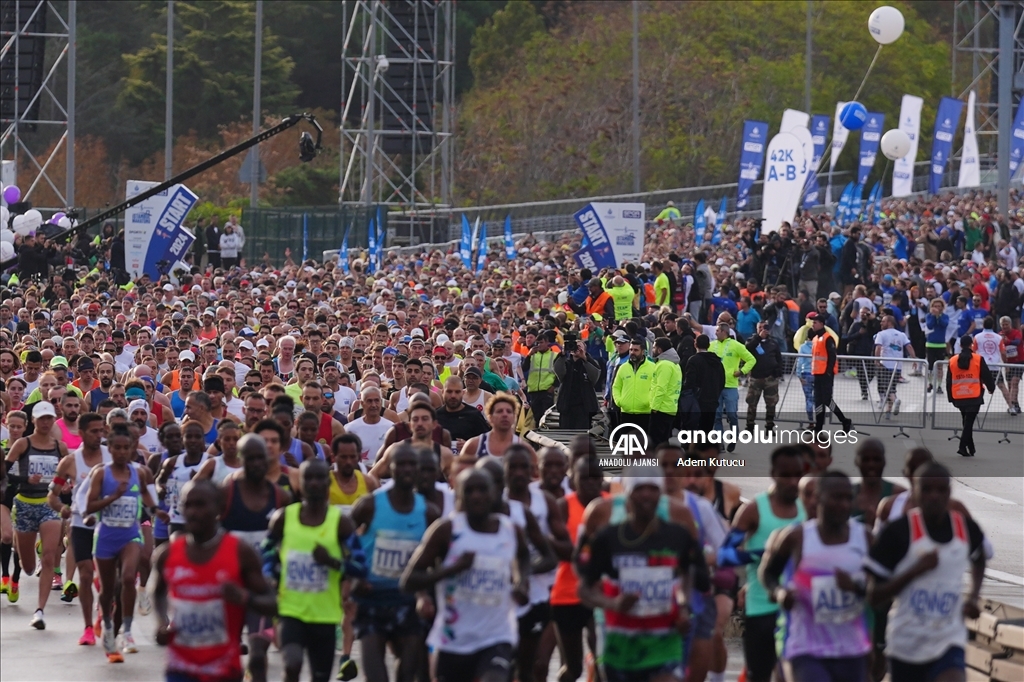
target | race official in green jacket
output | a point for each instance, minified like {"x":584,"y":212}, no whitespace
{"x":633,"y":386}
{"x":737,"y":361}
{"x":668,"y":382}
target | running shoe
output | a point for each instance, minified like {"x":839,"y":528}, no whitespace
{"x":109,"y":642}
{"x":347,"y":669}
{"x":14,"y":594}
{"x":58,"y":582}
{"x":5,"y":585}
{"x":88,"y":638}
{"x":70,"y":592}
{"x":37,"y":620}
{"x":128,"y":644}
{"x":896,"y":407}
{"x":115,"y":657}
{"x":145,"y":605}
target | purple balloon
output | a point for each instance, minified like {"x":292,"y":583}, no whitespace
{"x":12,"y":194}
{"x":57,"y":216}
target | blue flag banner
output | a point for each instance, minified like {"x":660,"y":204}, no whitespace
{"x":343,"y":251}
{"x":870,"y":135}
{"x":755,"y":138}
{"x":371,"y":232}
{"x":844,"y":204}
{"x":305,"y":236}
{"x":466,"y":245}
{"x":723,"y":208}
{"x":819,"y":135}
{"x":481,"y":249}
{"x":510,"y":244}
{"x":1017,"y":140}
{"x":947,"y":120}
{"x":169,"y":242}
{"x":380,"y":229}
{"x":700,"y":223}
{"x":380,"y":246}
{"x":856,"y":202}
{"x":874,"y":207}
{"x":596,"y":238}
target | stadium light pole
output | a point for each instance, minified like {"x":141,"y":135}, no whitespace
{"x":254,"y":155}
{"x":69,"y":183}
{"x":169,"y":96}
{"x":636,"y":97}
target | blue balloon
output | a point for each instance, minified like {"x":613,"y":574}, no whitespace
{"x":853,"y":116}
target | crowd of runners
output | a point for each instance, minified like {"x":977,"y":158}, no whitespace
{"x":302,"y":460}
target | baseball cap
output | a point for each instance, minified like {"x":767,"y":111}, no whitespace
{"x":43,"y":409}
{"x":59,"y":361}
{"x":84,"y":364}
{"x":416,"y":333}
{"x":186,"y":355}
{"x":103,"y":320}
{"x":439,"y":350}
{"x":620,"y":336}
{"x":263,"y":343}
{"x":168,"y":287}
{"x":390,"y":350}
{"x":814,"y":317}
{"x":247,"y":344}
{"x":474,"y":371}
{"x":94,"y":307}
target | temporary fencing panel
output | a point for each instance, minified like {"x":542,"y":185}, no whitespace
{"x":995,"y":416}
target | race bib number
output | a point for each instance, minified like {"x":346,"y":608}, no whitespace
{"x":487,"y":583}
{"x":42,"y":465}
{"x":1011,"y":352}
{"x":253,"y":538}
{"x":346,"y":509}
{"x":654,"y":584}
{"x":199,"y":624}
{"x":390,"y":555}
{"x":833,"y":606}
{"x":305,"y":574}
{"x":122,"y":512}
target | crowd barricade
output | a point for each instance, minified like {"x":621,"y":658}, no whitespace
{"x":859,"y":391}
{"x":995,"y":416}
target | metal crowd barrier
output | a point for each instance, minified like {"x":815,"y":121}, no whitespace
{"x":994,"y":417}
{"x":858,"y":390}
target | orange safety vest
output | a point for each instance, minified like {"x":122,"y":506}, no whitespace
{"x":819,"y":357}
{"x":597,"y":306}
{"x":966,"y":382}
{"x":649,"y":292}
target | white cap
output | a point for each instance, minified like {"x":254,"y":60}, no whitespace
{"x":103,"y":320}
{"x":290,"y":284}
{"x":196,"y":289}
{"x":247,"y":344}
{"x":186,"y":355}
{"x":139,"y":404}
{"x":43,"y":409}
{"x":442,"y":339}
{"x":416,"y":332}
{"x":263,"y":343}
{"x":168,"y":287}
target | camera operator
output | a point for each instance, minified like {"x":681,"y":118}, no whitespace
{"x":578,"y":374}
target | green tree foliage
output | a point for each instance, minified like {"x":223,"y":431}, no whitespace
{"x":498,"y":43}
{"x":213,"y":73}
{"x":558,"y":123}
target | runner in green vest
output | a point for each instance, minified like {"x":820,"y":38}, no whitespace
{"x":622,"y":294}
{"x":539,"y":368}
{"x":310,"y":536}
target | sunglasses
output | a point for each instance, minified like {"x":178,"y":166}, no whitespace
{"x":329,"y":396}
{"x":253,"y":384}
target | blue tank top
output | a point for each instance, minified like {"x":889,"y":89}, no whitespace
{"x":389,"y":543}
{"x":119,"y":521}
{"x":96,"y":396}
{"x":295,"y":447}
{"x":211,"y":435}
{"x":177,"y":405}
{"x":160,"y":528}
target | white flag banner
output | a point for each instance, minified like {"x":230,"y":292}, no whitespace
{"x":839,"y":135}
{"x":791,"y":118}
{"x":910,"y":123}
{"x":786,"y":169}
{"x":970,"y":165}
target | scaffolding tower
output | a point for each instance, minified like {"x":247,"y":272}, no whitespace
{"x":37,"y":56}
{"x":976,"y":63}
{"x":398,"y":104}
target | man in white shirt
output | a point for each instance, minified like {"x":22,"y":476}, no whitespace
{"x":138,"y":413}
{"x":372,"y":428}
{"x":1007,"y":255}
{"x":890,"y":342}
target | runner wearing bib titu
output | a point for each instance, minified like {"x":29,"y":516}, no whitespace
{"x":475,"y":609}
{"x":308,"y":591}
{"x":389,"y":542}
{"x":207,"y":630}
{"x":119,"y":521}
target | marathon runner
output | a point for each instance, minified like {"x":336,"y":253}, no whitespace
{"x":391,"y":522}
{"x":480,"y":563}
{"x":76,"y":470}
{"x":826,"y":636}
{"x":640,"y":572}
{"x":308,"y":537}
{"x":178,"y":470}
{"x":219,"y":467}
{"x":248,"y":500}
{"x":115,"y":492}
{"x":206,"y":579}
{"x":422,"y":422}
{"x":501,"y":412}
{"x":38,"y":457}
{"x":918,"y":563}
{"x":17,"y":421}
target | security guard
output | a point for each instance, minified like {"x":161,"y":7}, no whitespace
{"x":824,"y":367}
{"x":633,"y":386}
{"x":668,"y":382}
{"x":539,"y":368}
{"x":968,"y":373}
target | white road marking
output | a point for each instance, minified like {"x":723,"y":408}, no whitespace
{"x":990,"y":498}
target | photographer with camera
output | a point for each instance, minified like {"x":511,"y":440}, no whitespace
{"x":578,"y":375}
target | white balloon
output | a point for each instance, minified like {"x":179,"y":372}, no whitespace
{"x":64,"y":223}
{"x":33,"y":218}
{"x":6,"y":251}
{"x":4,"y":216}
{"x":21,"y":225}
{"x":6,"y":236}
{"x":886,"y":25}
{"x":895,"y":144}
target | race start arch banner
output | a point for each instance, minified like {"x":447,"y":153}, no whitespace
{"x":154,"y":237}
{"x":614,"y":233}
